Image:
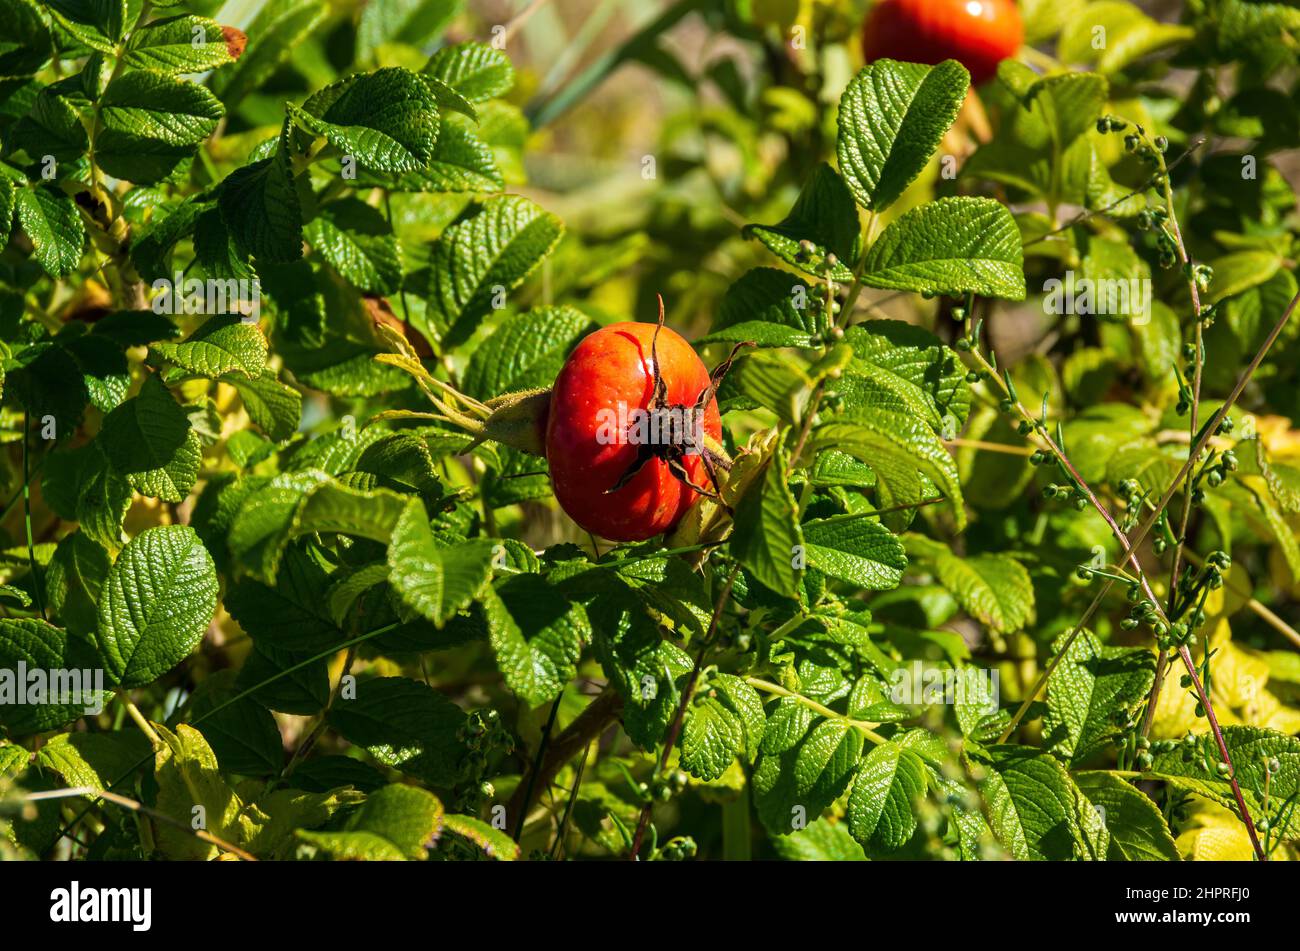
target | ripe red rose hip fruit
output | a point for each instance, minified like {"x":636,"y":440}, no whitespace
{"x":626,"y":431}
{"x":979,"y":34}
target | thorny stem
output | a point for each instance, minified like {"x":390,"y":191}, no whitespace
{"x":1130,"y":549}
{"x":128,"y":803}
{"x":675,"y":728}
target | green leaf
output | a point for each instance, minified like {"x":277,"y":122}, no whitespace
{"x":148,"y":441}
{"x":96,"y":760}
{"x":767,"y":539}
{"x":152,"y":121}
{"x":995,"y":589}
{"x":724,"y":723}
{"x":74,"y":579}
{"x":822,"y":841}
{"x":1239,"y":271}
{"x":177,"y":45}
{"x":1036,"y":810}
{"x":395,"y":823}
{"x":476,"y":71}
{"x":802,"y":770}
{"x":858,"y":551}
{"x":950,"y":246}
{"x":494,"y":843}
{"x":920,"y":373}
{"x":768,"y":307}
{"x":259,"y":205}
{"x":825,"y":216}
{"x":1195,"y":769}
{"x":51,"y":127}
{"x":900,"y":449}
{"x":647,"y":670}
{"x":243,"y":734}
{"x":1092,"y":683}
{"x":356,"y":239}
{"x":100,"y":24}
{"x":159,"y":598}
{"x":436,"y":582}
{"x":188,"y":776}
{"x":291,"y":616}
{"x":51,"y":222}
{"x":274,"y":407}
{"x":882,"y":804}
{"x":81,"y":486}
{"x":404,"y":724}
{"x":47,"y":703}
{"x":225,"y":343}
{"x":537,"y":636}
{"x":497,"y":246}
{"x":892,"y":117}
{"x":461,"y":162}
{"x":526,"y":351}
{"x":1137,"y":828}
{"x":387,"y":120}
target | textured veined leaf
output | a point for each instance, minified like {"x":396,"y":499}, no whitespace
{"x":461,"y":162}
{"x":396,"y":823}
{"x":768,"y":307}
{"x":52,"y":126}
{"x":51,"y":221}
{"x":1035,"y":809}
{"x":404,"y":724}
{"x":882,"y":803}
{"x":81,"y":485}
{"x":476,"y":71}
{"x":900,"y":449}
{"x":646,"y":669}
{"x":275,"y":407}
{"x":159,"y":598}
{"x":261,"y":523}
{"x":821,"y":841}
{"x":177,"y":45}
{"x":767,"y":538}
{"x":725,"y":722}
{"x":994,"y":588}
{"x":536,"y":634}
{"x":495,"y":247}
{"x":823,"y":221}
{"x":387,"y":120}
{"x":950,"y":246}
{"x":100,"y":24}
{"x":525,"y":351}
{"x":74,"y":579}
{"x":858,"y":551}
{"x":494,"y":843}
{"x":148,"y":441}
{"x":1090,"y":685}
{"x":1059,"y":109}
{"x":188,"y":775}
{"x":260,"y":207}
{"x":912,"y":365}
{"x":356,"y":239}
{"x":892,"y":116}
{"x":152,"y":121}
{"x":1136,"y":826}
{"x":224,"y":344}
{"x":43,"y":647}
{"x":436,"y":582}
{"x":811,"y":771}
{"x":95,"y":760}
